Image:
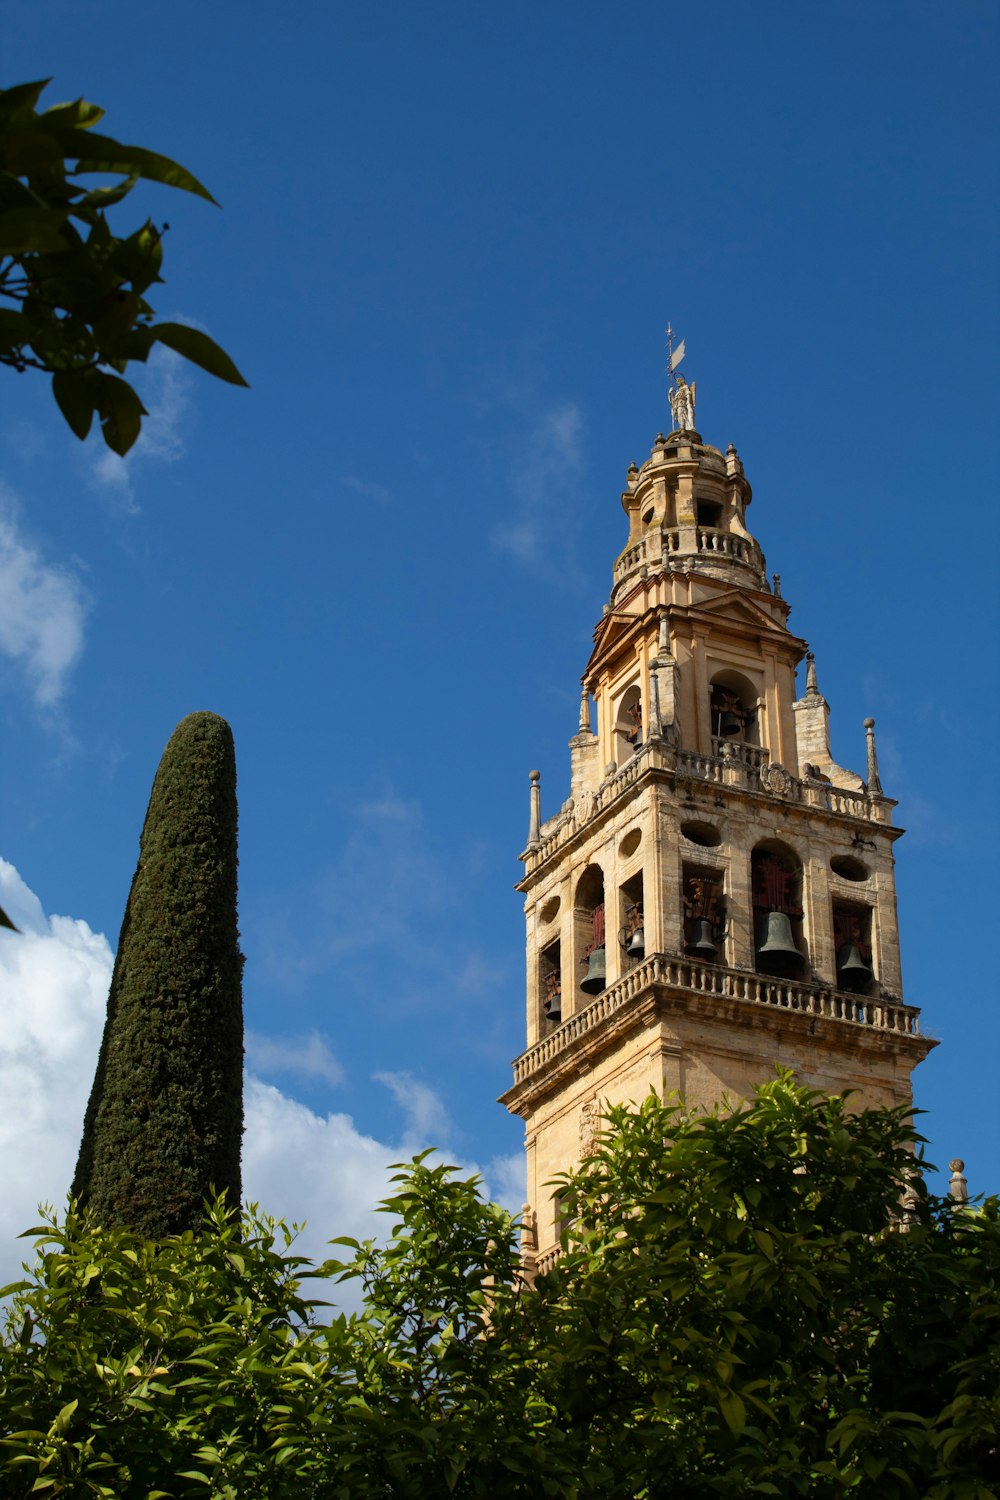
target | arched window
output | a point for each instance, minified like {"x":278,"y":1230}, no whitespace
{"x":734,"y":709}
{"x":550,"y":982}
{"x":852,"y":940}
{"x":632,"y":928}
{"x":588,"y":930}
{"x":776,"y":882}
{"x":628,"y":725}
{"x":704,"y":913}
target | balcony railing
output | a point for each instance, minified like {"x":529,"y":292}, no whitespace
{"x":693,"y":979}
{"x":669,"y":544}
{"x":733,"y":764}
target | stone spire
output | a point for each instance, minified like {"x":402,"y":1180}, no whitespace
{"x":812,"y":687}
{"x":535,"y":815}
{"x":874,"y":784}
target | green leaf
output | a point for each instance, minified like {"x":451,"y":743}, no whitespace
{"x":62,"y":1420}
{"x":73,"y":390}
{"x":106,"y":197}
{"x":31,"y":231}
{"x":22,"y":96}
{"x":199,"y":349}
{"x":99,"y":153}
{"x":121,"y":412}
{"x":734,"y":1411}
{"x":79,"y":112}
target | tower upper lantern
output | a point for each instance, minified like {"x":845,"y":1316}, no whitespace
{"x":686,"y":508}
{"x":716,"y":896}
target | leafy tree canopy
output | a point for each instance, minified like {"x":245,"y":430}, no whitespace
{"x":73,"y":293}
{"x":742,"y":1308}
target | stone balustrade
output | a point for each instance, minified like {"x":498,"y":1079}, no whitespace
{"x":693,"y":978}
{"x":749,"y":765}
{"x":753,"y":756}
{"x":670,"y":544}
{"x":546,"y":1260}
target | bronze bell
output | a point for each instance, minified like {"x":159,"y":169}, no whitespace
{"x":852,"y":971}
{"x":553,"y":1007}
{"x":778,"y":954}
{"x":595,"y":979}
{"x":730,"y":723}
{"x":636,"y":947}
{"x":701,"y":945}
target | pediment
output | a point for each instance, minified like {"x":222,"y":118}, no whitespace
{"x":609,"y":630}
{"x":734,"y":608}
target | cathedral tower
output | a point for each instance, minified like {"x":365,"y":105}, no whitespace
{"x":717,"y":895}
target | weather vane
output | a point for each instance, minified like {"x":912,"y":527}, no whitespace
{"x":681,"y":395}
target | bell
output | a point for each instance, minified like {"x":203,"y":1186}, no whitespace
{"x":852,"y":971}
{"x":553,"y":1007}
{"x":701,"y":945}
{"x":778,"y":954}
{"x":595,"y":979}
{"x":637,"y":944}
{"x":730,"y":723}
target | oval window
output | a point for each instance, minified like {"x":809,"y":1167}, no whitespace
{"x":703,"y":834}
{"x":848,"y":868}
{"x":549,"y":909}
{"x":630,"y":843}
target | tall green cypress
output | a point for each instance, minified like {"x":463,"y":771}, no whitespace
{"x":165,"y":1119}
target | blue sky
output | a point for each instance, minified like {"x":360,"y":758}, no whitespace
{"x":450,"y":240}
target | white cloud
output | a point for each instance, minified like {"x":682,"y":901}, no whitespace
{"x":42,"y":611}
{"x":302,"y":1166}
{"x":308,"y":1056}
{"x":297,"y":1164}
{"x":165,"y":389}
{"x":506,"y":1179}
{"x":53,"y":983}
{"x":426,"y":1118}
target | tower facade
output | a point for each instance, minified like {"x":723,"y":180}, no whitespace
{"x":716,"y":896}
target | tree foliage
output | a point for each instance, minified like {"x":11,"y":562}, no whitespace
{"x":741,"y":1309}
{"x":164,"y":1122}
{"x":72,"y":292}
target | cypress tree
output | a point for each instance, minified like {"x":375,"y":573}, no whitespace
{"x":165,"y":1119}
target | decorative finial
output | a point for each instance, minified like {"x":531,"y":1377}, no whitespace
{"x":655,"y":720}
{"x":958,"y":1188}
{"x":663,"y":644}
{"x":874,"y":784}
{"x":812,"y":686}
{"x":776,"y":584}
{"x":585,"y":712}
{"x":535,"y":817}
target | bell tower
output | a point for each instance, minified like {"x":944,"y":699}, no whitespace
{"x":716,"y":896}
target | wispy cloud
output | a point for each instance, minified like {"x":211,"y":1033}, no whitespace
{"x":305,"y":1056}
{"x":368,"y":489}
{"x":424,"y":1112}
{"x":377,"y":895}
{"x":548,"y":465}
{"x":43,"y":607}
{"x":164,"y":387}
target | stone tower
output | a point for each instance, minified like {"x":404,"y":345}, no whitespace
{"x":717,"y":895}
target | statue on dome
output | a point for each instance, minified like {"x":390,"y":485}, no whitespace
{"x":682,"y":405}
